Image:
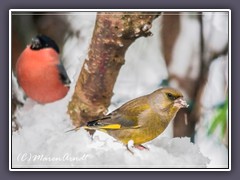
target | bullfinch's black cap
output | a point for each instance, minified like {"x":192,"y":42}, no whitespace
{"x":42,"y":41}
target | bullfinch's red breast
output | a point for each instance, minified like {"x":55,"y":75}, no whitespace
{"x":40,"y":71}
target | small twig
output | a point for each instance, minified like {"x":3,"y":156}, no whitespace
{"x":186,"y":119}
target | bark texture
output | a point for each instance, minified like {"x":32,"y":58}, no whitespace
{"x":114,"y":32}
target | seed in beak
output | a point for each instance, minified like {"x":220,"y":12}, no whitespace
{"x":180,"y":103}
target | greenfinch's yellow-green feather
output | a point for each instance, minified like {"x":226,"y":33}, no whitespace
{"x":141,"y":119}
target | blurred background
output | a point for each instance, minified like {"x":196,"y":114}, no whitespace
{"x":188,"y":51}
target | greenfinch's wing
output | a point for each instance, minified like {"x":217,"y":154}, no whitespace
{"x":124,"y":117}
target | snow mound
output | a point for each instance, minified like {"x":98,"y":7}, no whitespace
{"x":43,"y":142}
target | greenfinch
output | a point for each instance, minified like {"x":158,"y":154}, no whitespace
{"x":141,"y":119}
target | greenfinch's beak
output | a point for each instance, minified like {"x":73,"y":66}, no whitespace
{"x":180,"y":103}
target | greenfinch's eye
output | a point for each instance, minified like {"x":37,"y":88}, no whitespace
{"x":171,"y":96}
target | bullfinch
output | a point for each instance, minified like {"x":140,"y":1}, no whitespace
{"x":40,"y":71}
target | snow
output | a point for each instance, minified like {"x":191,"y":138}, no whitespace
{"x":214,"y":94}
{"x":215,"y":28}
{"x":18,"y":91}
{"x":212,"y":148}
{"x":188,"y":42}
{"x":42,"y":140}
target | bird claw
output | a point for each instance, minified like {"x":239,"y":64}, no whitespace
{"x":139,"y":147}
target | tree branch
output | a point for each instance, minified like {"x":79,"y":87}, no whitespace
{"x":114,"y":32}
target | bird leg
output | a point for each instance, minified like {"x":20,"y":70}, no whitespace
{"x":129,"y":150}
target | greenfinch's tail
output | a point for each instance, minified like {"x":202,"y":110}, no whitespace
{"x":74,"y":129}
{"x":104,"y":127}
